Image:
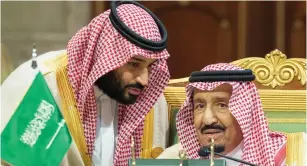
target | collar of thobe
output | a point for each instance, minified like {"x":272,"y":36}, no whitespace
{"x":99,"y":95}
{"x":236,"y":150}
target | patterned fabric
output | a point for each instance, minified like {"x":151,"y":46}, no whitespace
{"x":97,"y":49}
{"x":260,"y":144}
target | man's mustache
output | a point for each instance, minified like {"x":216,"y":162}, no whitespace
{"x":136,"y":85}
{"x":206,"y":127}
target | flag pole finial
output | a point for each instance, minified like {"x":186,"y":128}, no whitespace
{"x":34,"y":55}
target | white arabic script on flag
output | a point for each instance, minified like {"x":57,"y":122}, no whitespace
{"x":34,"y":128}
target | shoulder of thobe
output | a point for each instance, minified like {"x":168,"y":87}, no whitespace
{"x":53,"y":67}
{"x":49,"y":62}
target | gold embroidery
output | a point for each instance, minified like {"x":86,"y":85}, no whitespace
{"x":68,"y":107}
{"x":148,"y":135}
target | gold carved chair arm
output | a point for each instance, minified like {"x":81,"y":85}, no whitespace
{"x":296,"y":149}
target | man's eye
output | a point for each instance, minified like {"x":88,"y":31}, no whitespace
{"x":200,"y":106}
{"x":134,"y":64}
{"x":222,"y":105}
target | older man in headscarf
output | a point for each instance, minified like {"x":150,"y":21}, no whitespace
{"x":231,"y":113}
{"x":108,"y":79}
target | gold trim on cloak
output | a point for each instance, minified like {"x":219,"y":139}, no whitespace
{"x":69,"y":106}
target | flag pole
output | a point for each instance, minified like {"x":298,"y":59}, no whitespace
{"x":34,"y":55}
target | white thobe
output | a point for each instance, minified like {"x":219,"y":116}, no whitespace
{"x":106,"y":130}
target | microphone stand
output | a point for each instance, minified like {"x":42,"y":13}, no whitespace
{"x":234,"y":159}
{"x":132,"y":152}
{"x":212,"y":152}
{"x":215,"y":150}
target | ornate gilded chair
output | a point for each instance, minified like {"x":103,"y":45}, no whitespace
{"x":282,"y":88}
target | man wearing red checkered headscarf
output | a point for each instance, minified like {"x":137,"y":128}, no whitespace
{"x":231,"y":113}
{"x":111,"y":74}
{"x":98,"y":55}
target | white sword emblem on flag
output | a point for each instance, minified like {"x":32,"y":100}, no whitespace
{"x":61,"y":124}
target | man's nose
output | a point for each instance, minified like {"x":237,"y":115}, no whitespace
{"x":143,"y":77}
{"x":209,"y":116}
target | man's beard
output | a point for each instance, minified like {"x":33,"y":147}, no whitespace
{"x":111,"y":85}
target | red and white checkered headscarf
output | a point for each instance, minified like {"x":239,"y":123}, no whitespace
{"x":97,"y":49}
{"x":260,"y":144}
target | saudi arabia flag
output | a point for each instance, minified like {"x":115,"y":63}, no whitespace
{"x":37,"y":133}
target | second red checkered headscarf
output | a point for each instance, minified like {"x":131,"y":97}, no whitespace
{"x":260,"y":144}
{"x":97,"y":49}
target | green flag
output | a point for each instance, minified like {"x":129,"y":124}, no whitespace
{"x":37,"y":133}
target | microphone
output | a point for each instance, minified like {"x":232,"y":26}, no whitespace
{"x":205,"y":151}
